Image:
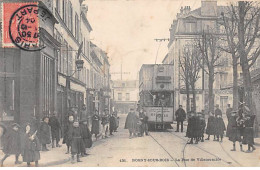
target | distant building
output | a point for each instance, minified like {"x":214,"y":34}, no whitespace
{"x":186,"y":28}
{"x":125,"y":94}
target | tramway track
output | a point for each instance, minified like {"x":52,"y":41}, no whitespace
{"x":164,"y":149}
{"x":227,"y":162}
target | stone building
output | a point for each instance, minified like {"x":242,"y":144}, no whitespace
{"x":185,"y":29}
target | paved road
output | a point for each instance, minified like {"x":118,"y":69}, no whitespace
{"x":166,"y":148}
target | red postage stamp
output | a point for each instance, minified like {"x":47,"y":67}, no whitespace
{"x":21,"y":25}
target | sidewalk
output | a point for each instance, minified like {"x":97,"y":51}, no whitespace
{"x":53,"y":157}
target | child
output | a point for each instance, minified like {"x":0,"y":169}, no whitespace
{"x":210,"y":130}
{"x":77,"y":142}
{"x":30,"y":147}
{"x":95,"y":124}
{"x":12,"y":143}
{"x":220,"y":127}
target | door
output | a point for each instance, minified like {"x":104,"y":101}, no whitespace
{"x":223,"y":103}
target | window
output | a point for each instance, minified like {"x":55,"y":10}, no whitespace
{"x":223,"y":79}
{"x":190,"y":27}
{"x":65,"y":58}
{"x":70,"y":61}
{"x":127,"y":96}
{"x":64,"y":9}
{"x":58,"y":6}
{"x":77,"y":26}
{"x":88,"y":85}
{"x":70,"y":20}
{"x":119,"y":96}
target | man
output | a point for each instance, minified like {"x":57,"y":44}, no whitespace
{"x":131,"y":123}
{"x":55,"y":129}
{"x":218,"y":111}
{"x":112,"y":124}
{"x":180,"y":117}
{"x":229,"y":110}
{"x":144,"y":125}
{"x":105,"y":123}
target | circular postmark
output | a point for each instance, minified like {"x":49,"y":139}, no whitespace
{"x":24,"y":27}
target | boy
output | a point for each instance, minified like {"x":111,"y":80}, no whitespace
{"x":77,"y":142}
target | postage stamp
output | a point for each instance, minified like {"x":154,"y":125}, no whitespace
{"x":21,"y":25}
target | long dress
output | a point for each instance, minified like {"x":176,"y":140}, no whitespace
{"x":210,"y":130}
{"x":12,"y":142}
{"x":30,"y":149}
{"x":95,"y":124}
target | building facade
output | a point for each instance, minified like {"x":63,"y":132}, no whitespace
{"x":50,"y":79}
{"x":187,"y":28}
{"x":125,"y":95}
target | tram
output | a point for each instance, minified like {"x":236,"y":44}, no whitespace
{"x":157,"y":95}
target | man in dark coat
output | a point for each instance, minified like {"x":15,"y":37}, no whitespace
{"x":44,"y":134}
{"x":180,"y":117}
{"x":55,"y":129}
{"x":12,"y":143}
{"x":144,"y":121}
{"x":191,"y":128}
{"x":218,"y":111}
{"x":86,"y":136}
{"x":67,"y":129}
{"x":131,"y":123}
{"x":95,"y":124}
{"x":220,"y":128}
{"x":202,"y":127}
{"x":77,"y":142}
{"x":210,"y":130}
{"x":30,"y":146}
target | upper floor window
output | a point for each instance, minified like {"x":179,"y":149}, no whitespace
{"x":119,"y":96}
{"x":127,"y":96}
{"x":190,"y":27}
{"x":70,"y":22}
{"x":58,"y":6}
{"x":77,"y":26}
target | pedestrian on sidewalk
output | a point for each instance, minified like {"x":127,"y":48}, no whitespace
{"x":77,"y":142}
{"x":180,"y":117}
{"x":95,"y":124}
{"x":131,"y":123}
{"x":210,"y":130}
{"x":68,"y":127}
{"x":12,"y":143}
{"x":202,"y":126}
{"x":86,"y":136}
{"x":30,"y":146}
{"x":248,"y":136}
{"x":235,"y":134}
{"x":220,"y":128}
{"x":192,"y":128}
{"x":112,"y":124}
{"x":55,"y":130}
{"x":105,"y":123}
{"x":229,"y":110}
{"x":44,"y":133}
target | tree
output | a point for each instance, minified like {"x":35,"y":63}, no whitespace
{"x":208,"y":46}
{"x":247,"y":17}
{"x":190,"y":67}
{"x":230,"y":26}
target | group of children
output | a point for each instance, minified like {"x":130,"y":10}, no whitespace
{"x":197,"y":124}
{"x":21,"y":142}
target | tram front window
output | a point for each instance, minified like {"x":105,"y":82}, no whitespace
{"x":158,"y":99}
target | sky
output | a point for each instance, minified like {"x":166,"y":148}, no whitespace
{"x":126,"y":30}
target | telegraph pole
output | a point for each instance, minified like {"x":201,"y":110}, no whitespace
{"x":159,"y":40}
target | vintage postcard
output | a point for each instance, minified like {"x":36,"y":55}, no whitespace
{"x":129,"y":83}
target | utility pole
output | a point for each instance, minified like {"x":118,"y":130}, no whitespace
{"x":159,"y":40}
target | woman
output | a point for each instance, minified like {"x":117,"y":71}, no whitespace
{"x":131,"y":123}
{"x":30,"y":146}
{"x":95,"y":124}
{"x":210,"y":130}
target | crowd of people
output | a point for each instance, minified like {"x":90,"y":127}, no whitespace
{"x":137,"y":123}
{"x":239,"y":128}
{"x":36,"y":136}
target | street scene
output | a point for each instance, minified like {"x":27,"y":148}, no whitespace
{"x":162,"y":83}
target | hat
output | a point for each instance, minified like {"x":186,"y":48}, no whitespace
{"x":106,"y":109}
{"x":83,"y":120}
{"x":15,"y":124}
{"x":216,"y":105}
